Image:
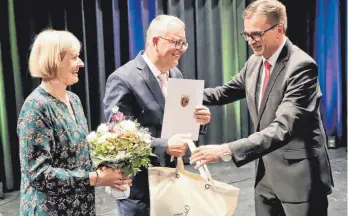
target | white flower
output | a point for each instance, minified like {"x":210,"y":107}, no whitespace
{"x":103,"y":128}
{"x":128,"y":125}
{"x":104,"y":137}
{"x":91,"y":137}
{"x":144,"y":136}
{"x":114,"y":110}
{"x":147,"y":138}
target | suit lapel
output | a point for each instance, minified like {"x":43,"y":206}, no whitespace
{"x":172,"y":74}
{"x":150,"y":80}
{"x":253,"y":92}
{"x":278,"y":67}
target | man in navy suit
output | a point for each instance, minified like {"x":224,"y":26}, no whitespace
{"x":138,"y":88}
{"x":280,"y":84}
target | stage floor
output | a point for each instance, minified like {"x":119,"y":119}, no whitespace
{"x":243,"y":178}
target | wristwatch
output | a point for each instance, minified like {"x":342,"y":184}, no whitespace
{"x":227,"y":155}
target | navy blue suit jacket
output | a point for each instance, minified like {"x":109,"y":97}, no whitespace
{"x":135,"y":90}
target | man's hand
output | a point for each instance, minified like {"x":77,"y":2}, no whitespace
{"x":202,"y":115}
{"x":208,"y":154}
{"x":177,"y":145}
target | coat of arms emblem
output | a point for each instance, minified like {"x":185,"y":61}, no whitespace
{"x":184,"y":100}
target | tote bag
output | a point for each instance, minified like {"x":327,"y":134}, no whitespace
{"x":177,"y":192}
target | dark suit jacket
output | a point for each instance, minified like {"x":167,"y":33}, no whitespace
{"x":289,"y":134}
{"x":135,"y":90}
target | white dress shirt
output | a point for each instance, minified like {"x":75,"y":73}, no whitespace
{"x":153,"y":68}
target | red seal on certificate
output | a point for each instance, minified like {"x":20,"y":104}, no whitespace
{"x":184,"y":100}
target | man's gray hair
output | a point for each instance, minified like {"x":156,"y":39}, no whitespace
{"x":159,"y":26}
{"x":273,"y":9}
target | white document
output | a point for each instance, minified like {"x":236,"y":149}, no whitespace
{"x":183,"y":95}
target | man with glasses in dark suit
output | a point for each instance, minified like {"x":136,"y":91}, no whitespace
{"x":139,"y":89}
{"x":280,"y":84}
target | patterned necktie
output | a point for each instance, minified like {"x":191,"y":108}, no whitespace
{"x":266,"y":78}
{"x":163,"y":77}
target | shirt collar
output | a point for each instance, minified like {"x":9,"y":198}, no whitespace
{"x":273,"y":59}
{"x":152,"y":67}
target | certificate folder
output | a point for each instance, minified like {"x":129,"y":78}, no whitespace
{"x":183,"y":95}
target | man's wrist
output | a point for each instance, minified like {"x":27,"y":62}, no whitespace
{"x":226,"y":149}
{"x":226,"y":154}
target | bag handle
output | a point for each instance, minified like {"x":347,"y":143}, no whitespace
{"x":203,"y":171}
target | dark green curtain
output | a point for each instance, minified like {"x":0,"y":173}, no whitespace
{"x":112,"y":32}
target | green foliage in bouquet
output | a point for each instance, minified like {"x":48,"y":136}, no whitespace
{"x":122,"y":144}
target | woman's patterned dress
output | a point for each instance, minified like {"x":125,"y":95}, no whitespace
{"x":54,"y":156}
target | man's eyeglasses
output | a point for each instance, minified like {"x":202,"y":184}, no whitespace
{"x":178,"y":44}
{"x":256,"y":36}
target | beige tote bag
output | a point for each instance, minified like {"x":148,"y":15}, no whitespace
{"x":177,"y":192}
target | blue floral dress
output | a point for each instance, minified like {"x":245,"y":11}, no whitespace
{"x":54,"y":157}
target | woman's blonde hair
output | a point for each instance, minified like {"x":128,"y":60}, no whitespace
{"x":48,"y":50}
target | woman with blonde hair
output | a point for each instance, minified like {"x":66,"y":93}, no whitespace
{"x":57,"y":176}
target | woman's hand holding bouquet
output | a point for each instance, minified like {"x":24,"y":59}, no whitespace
{"x":120,"y":144}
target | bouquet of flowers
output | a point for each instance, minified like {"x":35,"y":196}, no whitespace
{"x":122,"y":144}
